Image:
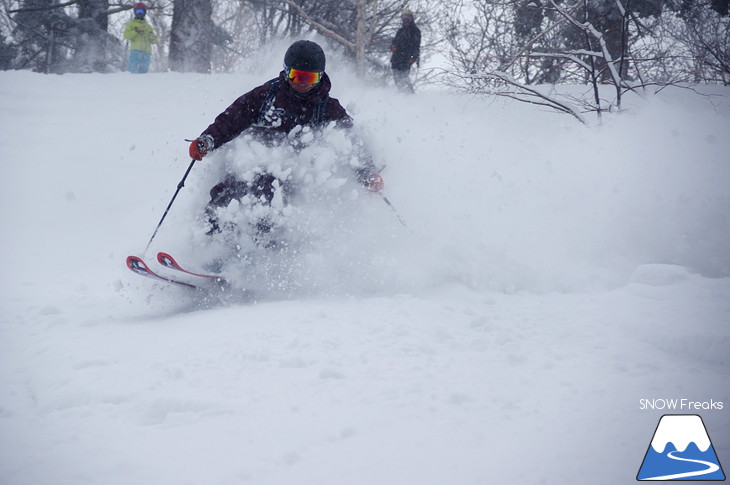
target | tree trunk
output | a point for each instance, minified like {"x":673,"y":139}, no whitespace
{"x":95,"y":10}
{"x":190,"y":36}
{"x":360,"y":38}
{"x":91,"y":42}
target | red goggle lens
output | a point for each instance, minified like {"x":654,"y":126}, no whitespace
{"x":308,"y":77}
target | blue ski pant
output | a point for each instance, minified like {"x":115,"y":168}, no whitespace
{"x":139,"y":62}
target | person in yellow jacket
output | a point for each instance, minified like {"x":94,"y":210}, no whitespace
{"x":141,"y":36}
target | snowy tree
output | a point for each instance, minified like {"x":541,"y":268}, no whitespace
{"x":354,"y":32}
{"x":95,"y":50}
{"x":41,"y":32}
{"x":502,"y":47}
{"x":96,"y":10}
{"x":8,"y":52}
{"x":191,"y":36}
{"x":50,"y":38}
{"x":705,"y":35}
{"x":362,"y":29}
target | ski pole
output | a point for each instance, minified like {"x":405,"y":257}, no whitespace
{"x":400,"y":219}
{"x":179,"y":186}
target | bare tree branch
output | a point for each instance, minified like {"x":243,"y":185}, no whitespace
{"x":528,"y":95}
{"x":39,"y":9}
{"x":319,"y":27}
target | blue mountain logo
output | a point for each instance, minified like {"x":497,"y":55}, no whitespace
{"x":681,"y":450}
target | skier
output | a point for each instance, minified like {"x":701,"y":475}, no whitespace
{"x":298,"y":97}
{"x":406,"y":49}
{"x":141,"y":37}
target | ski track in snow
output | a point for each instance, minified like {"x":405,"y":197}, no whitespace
{"x":555,"y":274}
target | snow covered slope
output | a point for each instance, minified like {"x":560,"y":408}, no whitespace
{"x":551,"y":277}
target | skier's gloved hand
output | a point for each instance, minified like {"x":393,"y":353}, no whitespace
{"x":374,"y":183}
{"x":200,"y":147}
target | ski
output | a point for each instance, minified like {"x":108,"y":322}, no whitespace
{"x":137,"y":265}
{"x":169,"y":262}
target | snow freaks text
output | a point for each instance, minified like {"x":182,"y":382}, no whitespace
{"x":679,"y":405}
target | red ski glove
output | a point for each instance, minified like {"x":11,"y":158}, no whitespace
{"x":374,"y":183}
{"x":200,"y":147}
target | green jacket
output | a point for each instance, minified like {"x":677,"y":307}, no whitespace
{"x":140,"y":35}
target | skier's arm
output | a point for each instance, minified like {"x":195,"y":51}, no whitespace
{"x":151,"y":37}
{"x":364,"y":165}
{"x":129,"y":32}
{"x":233,"y":121}
{"x":414,"y":47}
{"x":239,"y":116}
{"x":368,"y":176}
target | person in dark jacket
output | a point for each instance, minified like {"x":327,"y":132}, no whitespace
{"x":298,"y":97}
{"x":406,"y":49}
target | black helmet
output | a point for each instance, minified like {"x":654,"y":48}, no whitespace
{"x":305,"y":55}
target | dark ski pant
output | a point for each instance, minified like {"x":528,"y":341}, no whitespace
{"x":402,"y":79}
{"x":262,"y":188}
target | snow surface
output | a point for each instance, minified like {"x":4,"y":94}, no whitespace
{"x":551,"y":276}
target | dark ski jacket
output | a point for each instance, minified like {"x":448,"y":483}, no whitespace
{"x":286,"y":110}
{"x":269,"y":112}
{"x":407,"y":42}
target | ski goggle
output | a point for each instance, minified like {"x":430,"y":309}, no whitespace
{"x":308,"y":77}
{"x":139,"y":11}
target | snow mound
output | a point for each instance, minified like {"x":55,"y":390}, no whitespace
{"x":660,"y":274}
